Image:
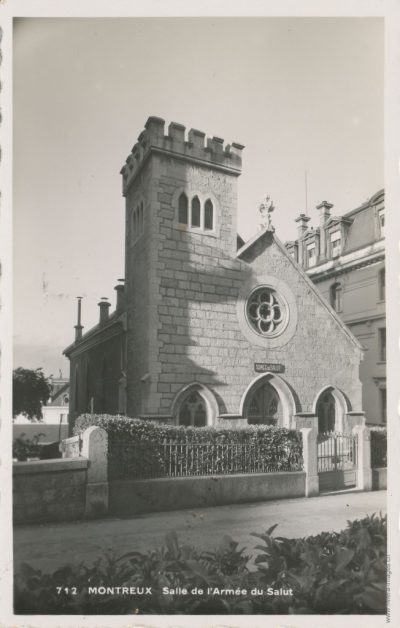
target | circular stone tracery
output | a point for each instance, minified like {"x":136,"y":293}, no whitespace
{"x":266,"y":312}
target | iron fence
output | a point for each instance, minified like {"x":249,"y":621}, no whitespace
{"x":336,"y":451}
{"x":177,"y":459}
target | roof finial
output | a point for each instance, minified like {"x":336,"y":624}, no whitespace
{"x":265,"y":210}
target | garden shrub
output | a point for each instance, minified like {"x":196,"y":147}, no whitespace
{"x":331,"y":573}
{"x":378,"y":447}
{"x":136,"y":447}
{"x":24,"y":448}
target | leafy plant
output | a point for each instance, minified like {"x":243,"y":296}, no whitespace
{"x":331,"y":573}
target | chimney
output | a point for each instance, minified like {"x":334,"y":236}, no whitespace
{"x":302,"y":221}
{"x":120,"y":289}
{"x":104,"y":306}
{"x":78,"y":326}
{"x":302,"y":226}
{"x":324,"y":210}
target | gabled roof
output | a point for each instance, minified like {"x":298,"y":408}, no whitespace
{"x":115,"y":319}
{"x":267,"y":236}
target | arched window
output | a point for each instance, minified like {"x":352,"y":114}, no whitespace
{"x":195,"y":212}
{"x":337,"y":297}
{"x":264,"y":406}
{"x":193,"y":411}
{"x":183,"y":209}
{"x":208,"y":215}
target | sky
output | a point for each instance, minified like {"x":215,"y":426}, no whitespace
{"x":302,"y":94}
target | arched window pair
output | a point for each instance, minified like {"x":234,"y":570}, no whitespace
{"x":337,"y":297}
{"x":137,"y":226}
{"x":199,"y":217}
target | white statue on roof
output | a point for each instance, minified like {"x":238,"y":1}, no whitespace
{"x":265,"y":209}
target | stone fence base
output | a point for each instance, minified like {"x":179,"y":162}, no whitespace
{"x":64,"y":489}
{"x":77,"y":485}
{"x":132,"y":497}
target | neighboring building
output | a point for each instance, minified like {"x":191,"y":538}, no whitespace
{"x":205,"y":333}
{"x":345,"y":258}
{"x":57,"y":408}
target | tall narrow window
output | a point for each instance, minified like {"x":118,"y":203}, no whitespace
{"x":208,"y":215}
{"x":336,"y":297}
{"x":382,"y":394}
{"x":183,"y":210}
{"x":381,"y":279}
{"x":311,"y":258}
{"x":195,"y":212}
{"x":382,"y":344}
{"x":336,"y":243}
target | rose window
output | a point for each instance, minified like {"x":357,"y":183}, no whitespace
{"x":266,"y":312}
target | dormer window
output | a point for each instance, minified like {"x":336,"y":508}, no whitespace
{"x":311,"y":256}
{"x":381,"y":216}
{"x":336,"y":243}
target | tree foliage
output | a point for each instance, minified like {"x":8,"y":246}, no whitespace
{"x":31,"y":390}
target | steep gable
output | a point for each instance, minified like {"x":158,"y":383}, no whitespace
{"x":253,"y":253}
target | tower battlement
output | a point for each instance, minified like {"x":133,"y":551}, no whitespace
{"x":197,"y":148}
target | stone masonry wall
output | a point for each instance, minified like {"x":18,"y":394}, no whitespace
{"x":195,"y":282}
{"x":49,"y":490}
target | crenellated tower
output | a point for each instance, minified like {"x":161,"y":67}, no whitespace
{"x":181,"y":215}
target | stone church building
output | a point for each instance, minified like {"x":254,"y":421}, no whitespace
{"x":207,"y":329}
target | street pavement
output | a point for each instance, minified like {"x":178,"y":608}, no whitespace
{"x":49,"y":546}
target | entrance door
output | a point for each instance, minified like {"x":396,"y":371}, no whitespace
{"x":264,"y":407}
{"x":326,"y":411}
{"x":337,"y":460}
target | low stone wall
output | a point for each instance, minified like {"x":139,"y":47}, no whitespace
{"x":379,"y":479}
{"x":49,"y":490}
{"x":64,"y":489}
{"x":129,"y":497}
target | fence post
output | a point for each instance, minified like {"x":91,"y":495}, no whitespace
{"x":310,"y":460}
{"x":94,"y":448}
{"x":364,"y":470}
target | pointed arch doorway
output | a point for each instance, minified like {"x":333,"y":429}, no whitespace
{"x":326,"y":412}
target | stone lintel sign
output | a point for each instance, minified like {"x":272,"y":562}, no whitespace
{"x":264,"y":367}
